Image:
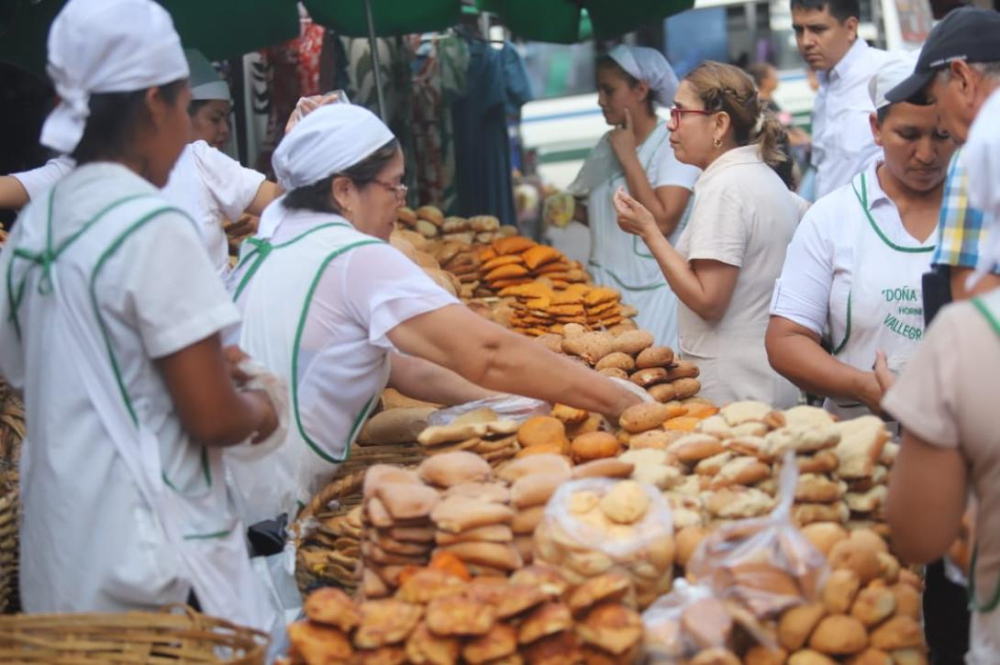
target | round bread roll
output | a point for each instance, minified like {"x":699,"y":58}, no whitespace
{"x":596,"y":445}
{"x":662,"y":392}
{"x":406,"y":216}
{"x":686,"y":388}
{"x":432,"y":214}
{"x":654,"y":356}
{"x":824,"y":535}
{"x":839,"y":636}
{"x":873,"y":606}
{"x":840,"y":591}
{"x":616,"y":359}
{"x":644,"y":417}
{"x":633,"y":342}
{"x":900,"y":632}
{"x":688,"y":539}
{"x":542,"y":430}
{"x":798,"y":623}
{"x":858,"y":557}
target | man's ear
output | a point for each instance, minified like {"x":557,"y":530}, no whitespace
{"x":852,"y":26}
{"x":876,"y":129}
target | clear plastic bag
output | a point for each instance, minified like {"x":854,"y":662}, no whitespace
{"x":684,"y":622}
{"x":596,"y":525}
{"x":506,"y":407}
{"x":765,"y":565}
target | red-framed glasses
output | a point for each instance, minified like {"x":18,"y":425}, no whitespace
{"x":677,"y":113}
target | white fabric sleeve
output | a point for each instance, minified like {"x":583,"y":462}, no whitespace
{"x":232,"y":185}
{"x":383,"y":288}
{"x":718,"y":228}
{"x":37,"y":181}
{"x":802,"y":292}
{"x":177,"y":296}
{"x":668,"y":172}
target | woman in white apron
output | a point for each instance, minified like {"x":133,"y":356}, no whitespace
{"x":327,"y":303}
{"x":208,"y":184}
{"x":743,"y":216}
{"x":854,"y":269}
{"x":631,"y":82}
{"x":111,"y":324}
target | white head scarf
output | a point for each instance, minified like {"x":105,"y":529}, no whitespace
{"x":981,"y":157}
{"x":206,"y":84}
{"x":897,"y":68}
{"x":649,"y":65}
{"x":327,"y":141}
{"x":98,"y":46}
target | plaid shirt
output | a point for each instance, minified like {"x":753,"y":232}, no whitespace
{"x":960,"y":227}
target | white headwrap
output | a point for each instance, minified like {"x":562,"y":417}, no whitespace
{"x":206,"y":84}
{"x":897,"y":68}
{"x":100,"y":46}
{"x":981,"y":157}
{"x":649,"y":65}
{"x":327,"y":141}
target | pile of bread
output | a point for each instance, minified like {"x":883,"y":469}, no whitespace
{"x":455,"y":503}
{"x":538,"y":308}
{"x":331,"y":551}
{"x":517,"y":260}
{"x":777,"y":606}
{"x":430,"y":222}
{"x":440,"y":616}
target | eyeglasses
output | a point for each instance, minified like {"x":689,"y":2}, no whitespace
{"x":677,"y":113}
{"x":399,"y":190}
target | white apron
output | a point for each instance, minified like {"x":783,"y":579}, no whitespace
{"x":885,"y":303}
{"x":206,"y":537}
{"x":278,"y":286}
{"x":621,"y":260}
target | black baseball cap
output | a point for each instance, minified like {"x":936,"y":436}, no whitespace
{"x":969,"y":33}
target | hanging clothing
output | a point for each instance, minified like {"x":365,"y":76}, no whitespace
{"x":121,"y":509}
{"x":854,"y":270}
{"x":211,"y":186}
{"x":438,"y":79}
{"x":743,"y":216}
{"x":482,"y":145}
{"x":318,"y":300}
{"x":618,"y":259}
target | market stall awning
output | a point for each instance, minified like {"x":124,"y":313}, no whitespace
{"x":218,"y":28}
{"x":390,"y":17}
{"x":559,"y":20}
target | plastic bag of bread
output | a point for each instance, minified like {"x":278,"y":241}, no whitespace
{"x":764,"y":564}
{"x":596,"y":525}
{"x":504,"y":407}
{"x":686,"y":622}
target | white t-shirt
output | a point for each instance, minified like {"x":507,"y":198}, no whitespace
{"x":842,"y":137}
{"x":743,"y":216}
{"x":37,"y":181}
{"x":359,"y":298}
{"x":211,"y":186}
{"x":94,"y":543}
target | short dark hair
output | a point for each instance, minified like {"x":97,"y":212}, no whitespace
{"x":113,"y":120}
{"x":316,"y":197}
{"x":839,"y":9}
{"x":607,"y":62}
{"x":882,"y":113}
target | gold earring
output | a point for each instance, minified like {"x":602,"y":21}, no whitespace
{"x":717,"y":143}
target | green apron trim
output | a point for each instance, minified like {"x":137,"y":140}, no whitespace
{"x":295,"y":360}
{"x":621,"y":284}
{"x":262,"y":248}
{"x":46,"y":258}
{"x":994,"y":601}
{"x":637,"y":252}
{"x":863,"y":200}
{"x":209,"y":536}
{"x":847,"y":331}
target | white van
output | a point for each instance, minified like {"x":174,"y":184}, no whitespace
{"x":565,"y":122}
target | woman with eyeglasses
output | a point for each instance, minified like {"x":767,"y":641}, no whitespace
{"x":329,"y":304}
{"x":636,"y":154}
{"x":724,"y":265}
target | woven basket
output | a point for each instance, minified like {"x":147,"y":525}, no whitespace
{"x":178,"y":634}
{"x":11,"y":436}
{"x":334,"y":500}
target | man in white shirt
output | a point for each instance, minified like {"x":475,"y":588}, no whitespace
{"x":826,"y":32}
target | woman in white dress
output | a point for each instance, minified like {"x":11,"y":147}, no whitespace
{"x":111,"y":325}
{"x":854,"y":269}
{"x":727,"y":258}
{"x":631,"y":82}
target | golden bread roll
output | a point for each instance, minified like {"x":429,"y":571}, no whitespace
{"x":536,"y":489}
{"x":840,"y":591}
{"x":332,"y":607}
{"x":432,"y":214}
{"x":625,"y":503}
{"x":458,"y":615}
{"x":316,"y":643}
{"x":616,"y":360}
{"x":856,"y":556}
{"x":693,"y":448}
{"x":594,"y":446}
{"x":512,"y":245}
{"x":908,"y":601}
{"x":739,"y":413}
{"x":644,"y":416}
{"x":824,"y":535}
{"x":901,"y":632}
{"x":633,"y":342}
{"x":569,"y":415}
{"x":548,"y":619}
{"x":814,"y":488}
{"x":451,"y":469}
{"x":820,"y":463}
{"x":604,"y":468}
{"x":542,"y":430}
{"x":655,"y":356}
{"x":683,"y":369}
{"x":797,"y":624}
{"x":386,"y":622}
{"x":662,"y":392}
{"x":839,"y":636}
{"x":873,"y":606}
{"x":686,"y":388}
{"x":649,"y":377}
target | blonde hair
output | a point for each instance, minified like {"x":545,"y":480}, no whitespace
{"x":727,"y":88}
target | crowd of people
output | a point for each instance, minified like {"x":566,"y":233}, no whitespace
{"x":172,"y":401}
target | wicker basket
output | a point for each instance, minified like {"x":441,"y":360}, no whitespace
{"x":317,"y":561}
{"x":178,"y":634}
{"x":11,"y":436}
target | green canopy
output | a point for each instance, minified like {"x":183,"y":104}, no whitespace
{"x":218,"y":28}
{"x":564,"y":21}
{"x":391,"y":17}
